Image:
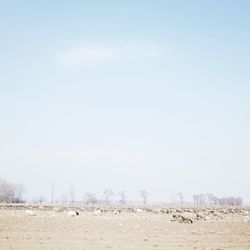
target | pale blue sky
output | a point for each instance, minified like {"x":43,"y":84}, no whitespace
{"x":126,"y":94}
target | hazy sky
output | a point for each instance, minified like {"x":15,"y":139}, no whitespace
{"x":126,"y":95}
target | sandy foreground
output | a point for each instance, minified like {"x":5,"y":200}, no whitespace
{"x":50,"y":227}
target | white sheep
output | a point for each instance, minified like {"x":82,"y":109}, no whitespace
{"x":73,"y":213}
{"x":30,"y":213}
{"x":116,"y":212}
{"x":98,"y":212}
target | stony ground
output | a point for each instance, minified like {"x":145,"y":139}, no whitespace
{"x":127,"y":228}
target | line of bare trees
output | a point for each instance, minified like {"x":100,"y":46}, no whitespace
{"x":11,"y":192}
{"x":91,"y":198}
{"x":108,"y":197}
{"x":211,"y":199}
{"x":177,"y":198}
{"x":207,"y":199}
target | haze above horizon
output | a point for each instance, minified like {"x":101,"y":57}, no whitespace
{"x":127,"y":95}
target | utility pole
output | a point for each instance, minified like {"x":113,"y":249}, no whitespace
{"x":52,"y":193}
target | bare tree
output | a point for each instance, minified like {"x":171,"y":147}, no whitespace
{"x":5,"y":191}
{"x":19,"y":192}
{"x":123,"y":198}
{"x":195,"y":199}
{"x":10,"y":192}
{"x":72,"y":194}
{"x":181,"y":198}
{"x":223,"y":201}
{"x":201,"y":199}
{"x":90,"y":198}
{"x":144,"y":196}
{"x":212,"y":199}
{"x":108,"y":193}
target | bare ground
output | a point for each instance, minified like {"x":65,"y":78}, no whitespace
{"x":130,"y":229}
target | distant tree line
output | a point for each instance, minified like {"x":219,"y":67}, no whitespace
{"x":211,"y":199}
{"x":90,"y":198}
{"x":11,"y":192}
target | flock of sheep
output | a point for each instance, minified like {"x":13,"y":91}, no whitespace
{"x":73,"y":213}
{"x":181,"y":214}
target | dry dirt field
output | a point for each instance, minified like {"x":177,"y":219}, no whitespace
{"x":127,"y":228}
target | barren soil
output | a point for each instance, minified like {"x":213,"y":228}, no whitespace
{"x":132,"y":228}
